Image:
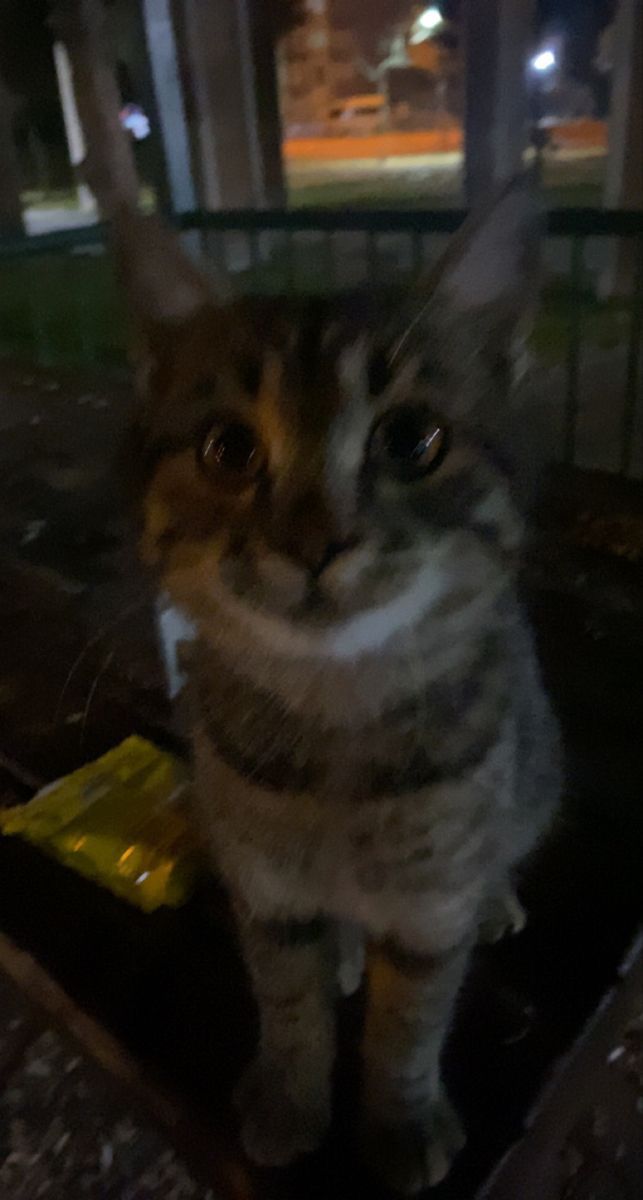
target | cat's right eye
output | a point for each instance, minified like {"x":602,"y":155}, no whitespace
{"x":409,"y":442}
{"x":232,"y":455}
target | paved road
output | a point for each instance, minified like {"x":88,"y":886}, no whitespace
{"x":574,"y":135}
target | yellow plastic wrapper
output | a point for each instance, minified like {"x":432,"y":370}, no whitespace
{"x":121,"y":821}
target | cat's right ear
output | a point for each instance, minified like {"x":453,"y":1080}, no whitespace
{"x":487,"y":281}
{"x":165,"y":290}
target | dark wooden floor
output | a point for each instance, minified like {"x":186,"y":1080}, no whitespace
{"x":76,"y":1118}
{"x":78,"y":673}
{"x":586,"y":1137}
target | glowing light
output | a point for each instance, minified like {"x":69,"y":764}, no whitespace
{"x":431,"y":18}
{"x":544,"y":61}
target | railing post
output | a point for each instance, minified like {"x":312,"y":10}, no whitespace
{"x":632,"y":386}
{"x":573,"y":353}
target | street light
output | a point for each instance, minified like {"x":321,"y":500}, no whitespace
{"x":426,"y":24}
{"x":543,"y":62}
{"x":430,"y":19}
{"x":542,"y":66}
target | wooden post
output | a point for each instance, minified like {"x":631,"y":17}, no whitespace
{"x":624,"y":183}
{"x":498,"y":36}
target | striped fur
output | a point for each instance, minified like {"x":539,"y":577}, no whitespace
{"x":372,"y":742}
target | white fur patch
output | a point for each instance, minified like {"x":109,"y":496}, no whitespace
{"x":361,"y":634}
{"x":495,"y":510}
{"x":174,"y":628}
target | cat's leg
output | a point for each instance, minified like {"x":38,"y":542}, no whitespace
{"x":284,"y":1097}
{"x":410,"y":1132}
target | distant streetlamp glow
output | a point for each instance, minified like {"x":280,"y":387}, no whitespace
{"x":543,"y":62}
{"x":431,"y":18}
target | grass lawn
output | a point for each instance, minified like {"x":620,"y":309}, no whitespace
{"x":54,"y":198}
{"x":431,"y":182}
{"x":61,"y":308}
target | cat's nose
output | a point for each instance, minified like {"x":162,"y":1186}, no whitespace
{"x":315,"y":554}
{"x":311,"y":534}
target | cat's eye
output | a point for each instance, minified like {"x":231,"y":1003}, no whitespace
{"x":233,"y":454}
{"x":409,"y":443}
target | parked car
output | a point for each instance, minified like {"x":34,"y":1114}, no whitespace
{"x":357,"y":115}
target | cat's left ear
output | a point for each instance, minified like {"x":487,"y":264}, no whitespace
{"x":165,"y":289}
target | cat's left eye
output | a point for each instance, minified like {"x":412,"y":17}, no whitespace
{"x":409,"y":443}
{"x":233,"y":454}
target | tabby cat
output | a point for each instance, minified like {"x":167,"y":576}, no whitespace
{"x":331,"y":500}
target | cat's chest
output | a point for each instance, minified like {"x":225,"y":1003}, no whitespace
{"x":340,"y":813}
{"x":426,"y":728}
{"x":355,"y":859}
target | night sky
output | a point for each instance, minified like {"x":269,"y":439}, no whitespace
{"x":582,"y":20}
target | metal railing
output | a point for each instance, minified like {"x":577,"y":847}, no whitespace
{"x":58,"y":302}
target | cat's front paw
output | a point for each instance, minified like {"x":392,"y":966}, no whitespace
{"x":415,"y":1152}
{"x":278,"y":1126}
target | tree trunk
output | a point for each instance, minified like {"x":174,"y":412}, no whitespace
{"x":109,"y":166}
{"x":498,"y":35}
{"x":10,"y":207}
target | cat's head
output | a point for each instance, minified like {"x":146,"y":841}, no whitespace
{"x":312,"y":461}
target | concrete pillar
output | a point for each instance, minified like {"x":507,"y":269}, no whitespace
{"x":73,"y":129}
{"x":233,"y":106}
{"x":169,"y":105}
{"x":624,"y":182}
{"x":498,"y":37}
{"x":109,"y":165}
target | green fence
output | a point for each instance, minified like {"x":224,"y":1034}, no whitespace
{"x":58,"y":300}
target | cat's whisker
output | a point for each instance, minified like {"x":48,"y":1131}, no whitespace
{"x":92,"y":692}
{"x":93,"y":642}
